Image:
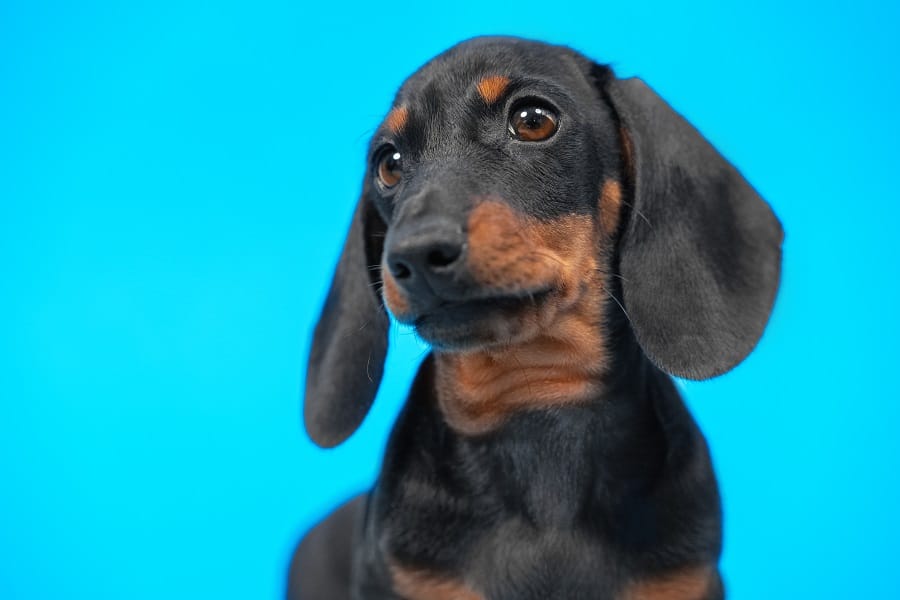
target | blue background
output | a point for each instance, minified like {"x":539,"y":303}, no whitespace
{"x":175,"y":183}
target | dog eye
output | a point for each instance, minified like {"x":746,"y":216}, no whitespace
{"x":532,"y":123}
{"x":388,"y":167}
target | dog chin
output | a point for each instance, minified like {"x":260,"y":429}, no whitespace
{"x":459,"y":338}
{"x":481,"y":324}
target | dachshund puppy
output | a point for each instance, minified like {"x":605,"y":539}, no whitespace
{"x":566,"y":242}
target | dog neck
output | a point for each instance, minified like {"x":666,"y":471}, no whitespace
{"x":599,"y":431}
{"x":563,"y":365}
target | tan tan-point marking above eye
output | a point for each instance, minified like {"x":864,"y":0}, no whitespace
{"x":688,"y":584}
{"x":491,"y":88}
{"x":417,"y":585}
{"x":397,"y":118}
{"x":393,"y":297}
{"x":610,"y":206}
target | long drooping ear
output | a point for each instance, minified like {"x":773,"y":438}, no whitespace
{"x":350,"y":342}
{"x":700,"y":255}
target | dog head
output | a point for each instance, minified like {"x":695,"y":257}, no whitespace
{"x":506,"y":177}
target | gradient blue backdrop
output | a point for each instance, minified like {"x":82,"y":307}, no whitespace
{"x":175,"y":183}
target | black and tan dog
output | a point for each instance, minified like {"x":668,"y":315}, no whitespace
{"x":564,"y":240}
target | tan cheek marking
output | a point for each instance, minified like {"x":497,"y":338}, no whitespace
{"x":393,"y":297}
{"x":491,"y":88}
{"x":397,"y":118}
{"x":512,"y":252}
{"x":610,"y":206}
{"x":416,"y":585}
{"x":690,"y":584}
{"x":556,"y":351}
{"x":502,"y":248}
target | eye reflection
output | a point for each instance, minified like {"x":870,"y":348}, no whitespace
{"x":389,"y":167}
{"x":533,"y":123}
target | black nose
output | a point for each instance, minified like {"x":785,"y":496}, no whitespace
{"x":427,"y":255}
{"x":433,"y":255}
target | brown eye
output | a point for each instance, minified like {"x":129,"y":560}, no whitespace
{"x":532,"y":123}
{"x":388,"y":167}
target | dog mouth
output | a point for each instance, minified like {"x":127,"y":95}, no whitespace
{"x":480,"y":322}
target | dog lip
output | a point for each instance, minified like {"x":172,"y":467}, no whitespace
{"x":476,"y":303}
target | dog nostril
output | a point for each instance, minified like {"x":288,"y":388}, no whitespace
{"x":400,"y":270}
{"x":443,"y":256}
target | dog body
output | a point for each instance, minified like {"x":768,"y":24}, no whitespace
{"x":565,"y":241}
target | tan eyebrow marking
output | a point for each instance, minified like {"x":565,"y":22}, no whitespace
{"x":491,"y":88}
{"x":396,"y":119}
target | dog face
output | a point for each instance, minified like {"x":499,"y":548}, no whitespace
{"x":488,"y":174}
{"x":509,"y":179}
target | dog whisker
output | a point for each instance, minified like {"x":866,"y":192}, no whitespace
{"x":368,"y":132}
{"x":368,"y":373}
{"x":639,"y":213}
{"x":616,"y":300}
{"x":548,"y":255}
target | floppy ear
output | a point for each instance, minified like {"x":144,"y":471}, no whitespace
{"x":700,"y":255}
{"x":350,"y":342}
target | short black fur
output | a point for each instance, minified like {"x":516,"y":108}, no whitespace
{"x":575,"y":502}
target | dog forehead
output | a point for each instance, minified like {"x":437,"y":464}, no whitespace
{"x":449,"y":77}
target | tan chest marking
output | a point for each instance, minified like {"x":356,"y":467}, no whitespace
{"x":689,"y":584}
{"x":417,"y":585}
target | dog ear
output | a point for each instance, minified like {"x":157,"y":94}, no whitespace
{"x":349,"y":345}
{"x":700,"y":254}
